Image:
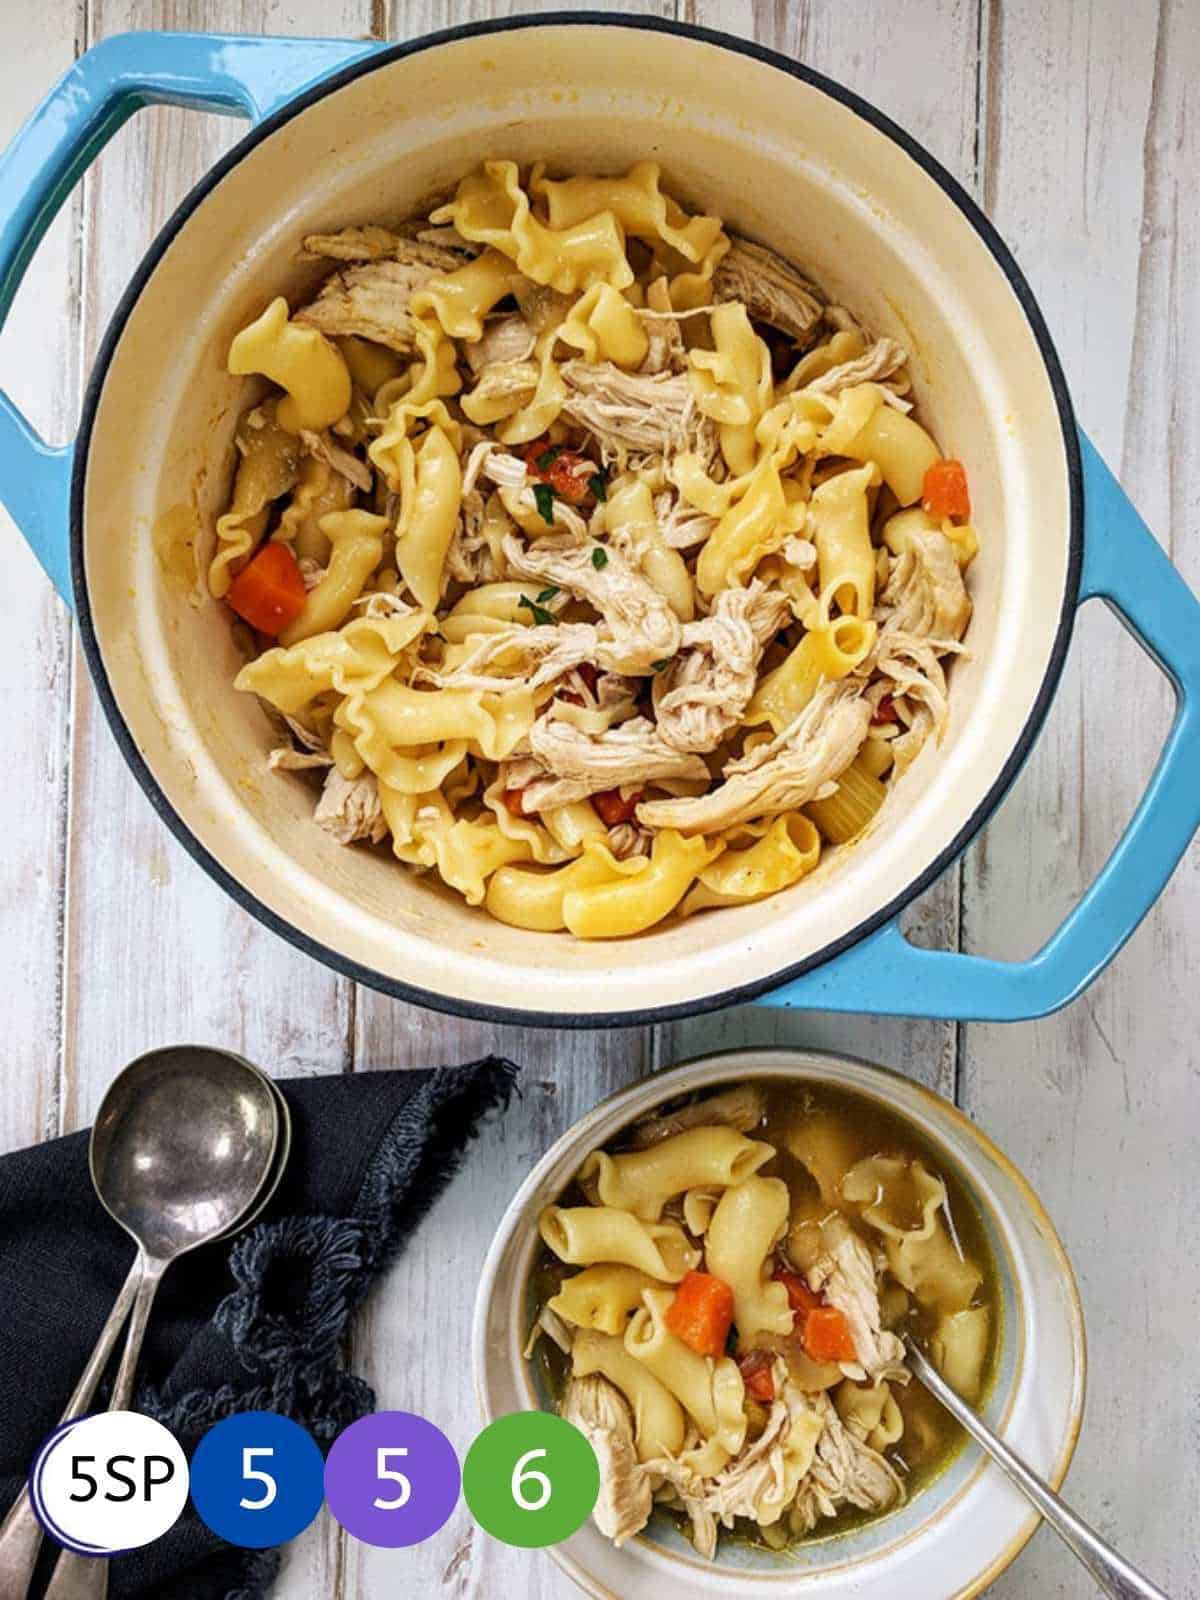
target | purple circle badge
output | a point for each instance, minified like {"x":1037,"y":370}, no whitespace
{"x":392,"y":1479}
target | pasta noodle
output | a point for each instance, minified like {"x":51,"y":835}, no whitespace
{"x":301,"y":361}
{"x":617,"y":908}
{"x":840,"y":531}
{"x":824,"y":654}
{"x":584,"y":1236}
{"x":526,"y":899}
{"x":644,"y":1180}
{"x":842,"y":816}
{"x":355,"y":550}
{"x":658,"y":1419}
{"x":594,"y":557}
{"x":787,"y":849}
{"x":748,"y":1223}
{"x":602,"y":1297}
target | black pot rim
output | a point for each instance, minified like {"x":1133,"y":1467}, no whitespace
{"x":740,"y":994}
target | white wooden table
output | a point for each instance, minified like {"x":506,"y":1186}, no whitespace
{"x":1078,"y":127}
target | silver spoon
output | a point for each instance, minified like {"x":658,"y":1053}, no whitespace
{"x":184,"y":1142}
{"x":1111,"y":1571}
{"x":283,"y":1151}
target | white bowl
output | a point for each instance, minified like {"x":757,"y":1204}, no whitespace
{"x":955,"y":1536}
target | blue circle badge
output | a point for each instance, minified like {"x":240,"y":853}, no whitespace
{"x":257,"y":1479}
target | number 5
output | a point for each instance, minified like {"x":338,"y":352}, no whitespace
{"x":253,"y":1474}
{"x":523,"y":1474}
{"x":383,"y":1471}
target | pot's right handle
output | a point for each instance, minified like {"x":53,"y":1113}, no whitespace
{"x":1124,"y":565}
{"x":245,"y":76}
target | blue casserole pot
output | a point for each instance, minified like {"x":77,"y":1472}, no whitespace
{"x":349,"y":131}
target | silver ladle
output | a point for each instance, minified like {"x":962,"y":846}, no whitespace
{"x":184,"y":1144}
{"x":1113,"y":1574}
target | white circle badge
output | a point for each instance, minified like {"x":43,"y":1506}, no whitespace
{"x":108,"y":1483}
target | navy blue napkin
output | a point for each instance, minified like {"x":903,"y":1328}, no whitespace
{"x":259,"y":1325}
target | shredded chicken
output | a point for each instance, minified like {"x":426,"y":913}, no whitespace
{"x":879,"y":361}
{"x":741,"y":1107}
{"x":699,"y":699}
{"x":349,"y":808}
{"x":640,"y":629}
{"x":600,"y":1413}
{"x":667,"y":351}
{"x":383,"y":605}
{"x":846,"y":1276}
{"x":311,"y":572}
{"x":370,"y":243}
{"x":511,"y":383}
{"x":626,"y":839}
{"x":638,"y":412}
{"x":909,"y":665}
{"x":680,"y":524}
{"x":469,"y":558}
{"x":770,"y":288}
{"x":632,"y":753}
{"x":511,"y":476}
{"x":535,"y":656}
{"x":308,"y":751}
{"x":760,"y":1483}
{"x":845,"y":1471}
{"x":925,"y":593}
{"x":789,"y":771}
{"x":338,"y":460}
{"x":371,"y":299}
{"x":505,"y":340}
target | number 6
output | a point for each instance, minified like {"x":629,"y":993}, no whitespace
{"x":384,"y":1471}
{"x":523,"y":1474}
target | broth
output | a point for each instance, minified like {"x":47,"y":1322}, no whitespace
{"x":909,"y":1220}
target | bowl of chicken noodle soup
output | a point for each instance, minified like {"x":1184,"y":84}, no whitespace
{"x":710,"y":1276}
{"x":580,"y":520}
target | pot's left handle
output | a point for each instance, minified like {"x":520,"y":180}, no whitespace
{"x":235,"y":75}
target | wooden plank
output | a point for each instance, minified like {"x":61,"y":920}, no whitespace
{"x":433,"y":1285}
{"x":38,"y":367}
{"x":1092,"y":160}
{"x":203,"y":967}
{"x":918,"y":63}
{"x":156,"y":951}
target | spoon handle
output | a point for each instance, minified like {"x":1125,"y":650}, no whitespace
{"x":1114,"y":1575}
{"x":79,"y":1577}
{"x":21,"y":1533}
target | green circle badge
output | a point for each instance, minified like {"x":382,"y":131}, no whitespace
{"x":531,"y":1479}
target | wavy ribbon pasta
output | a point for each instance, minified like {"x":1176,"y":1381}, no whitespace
{"x":604,"y":565}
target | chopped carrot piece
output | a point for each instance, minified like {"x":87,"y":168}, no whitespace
{"x":269,"y":592}
{"x":612,"y":810}
{"x":800,"y":1297}
{"x":566,"y":471}
{"x":701,"y":1313}
{"x":757,"y":1376}
{"x":945,"y":492}
{"x":826,"y":1335}
{"x":514,"y":800}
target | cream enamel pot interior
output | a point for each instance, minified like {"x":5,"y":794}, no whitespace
{"x":963,"y":1528}
{"x":349,"y":132}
